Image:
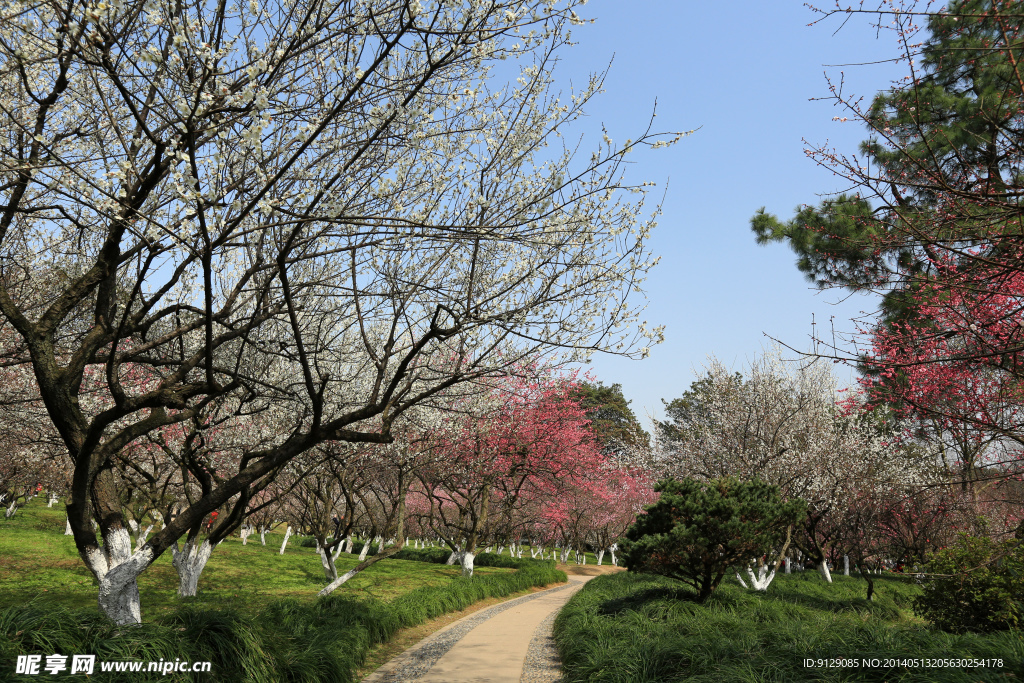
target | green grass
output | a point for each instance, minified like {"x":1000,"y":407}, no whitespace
{"x":639,"y":628}
{"x":38,"y":562}
{"x":259,"y":622}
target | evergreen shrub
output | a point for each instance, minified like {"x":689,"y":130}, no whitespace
{"x":977,"y":585}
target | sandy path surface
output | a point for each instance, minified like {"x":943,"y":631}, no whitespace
{"x":507,"y":643}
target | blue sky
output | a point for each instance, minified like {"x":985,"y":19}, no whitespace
{"x":743,"y":72}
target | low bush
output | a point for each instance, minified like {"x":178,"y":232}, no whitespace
{"x":977,"y":585}
{"x":642,"y":628}
{"x":696,"y":530}
{"x":287,"y":641}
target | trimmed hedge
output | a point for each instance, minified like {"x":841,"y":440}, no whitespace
{"x":288,"y":641}
{"x":440,"y":556}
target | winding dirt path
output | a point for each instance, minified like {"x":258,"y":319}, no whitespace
{"x":507,"y":643}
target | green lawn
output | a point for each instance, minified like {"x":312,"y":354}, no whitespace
{"x":257,"y":618}
{"x":637,"y":628}
{"x":38,"y":562}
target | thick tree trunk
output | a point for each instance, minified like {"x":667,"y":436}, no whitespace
{"x":327,"y":560}
{"x":349,"y":542}
{"x":452,"y":558}
{"x":366,"y":549}
{"x":600,"y":556}
{"x":825,"y":573}
{"x":11,"y":509}
{"x":615,"y":560}
{"x":189,"y":563}
{"x":466,"y":560}
{"x":263,"y":535}
{"x":117,"y":571}
{"x":246,"y":532}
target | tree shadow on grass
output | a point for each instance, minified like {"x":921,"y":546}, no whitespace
{"x":636,"y":601}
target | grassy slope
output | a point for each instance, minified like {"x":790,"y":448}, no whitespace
{"x":47,"y":605}
{"x":37,"y":562}
{"x":640,"y":628}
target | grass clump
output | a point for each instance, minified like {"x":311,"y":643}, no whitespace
{"x":640,"y":628}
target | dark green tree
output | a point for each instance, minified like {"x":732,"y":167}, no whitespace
{"x":940,"y":173}
{"x":611,"y":419}
{"x":698,"y":530}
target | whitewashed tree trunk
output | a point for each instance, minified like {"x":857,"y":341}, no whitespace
{"x":330,"y":570}
{"x":349,"y":542}
{"x":190,"y":562}
{"x":246,"y":532}
{"x":140,"y":540}
{"x":337,"y":582}
{"x":846,"y":565}
{"x":117,"y":571}
{"x":11,"y":509}
{"x":452,"y":558}
{"x":787,"y":566}
{"x":615,"y":560}
{"x":762,"y":579}
{"x":133,"y":525}
{"x":600,"y":556}
{"x":284,"y":543}
{"x":53,"y":499}
{"x":263,"y":535}
{"x":337,"y":552}
{"x":364,"y":551}
{"x":501,"y":549}
{"x":67,"y":528}
{"x":825,"y":573}
{"x":466,"y":560}
{"x":740,"y":579}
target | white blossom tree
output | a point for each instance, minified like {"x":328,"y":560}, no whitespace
{"x":783,"y":423}
{"x":329,"y":208}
